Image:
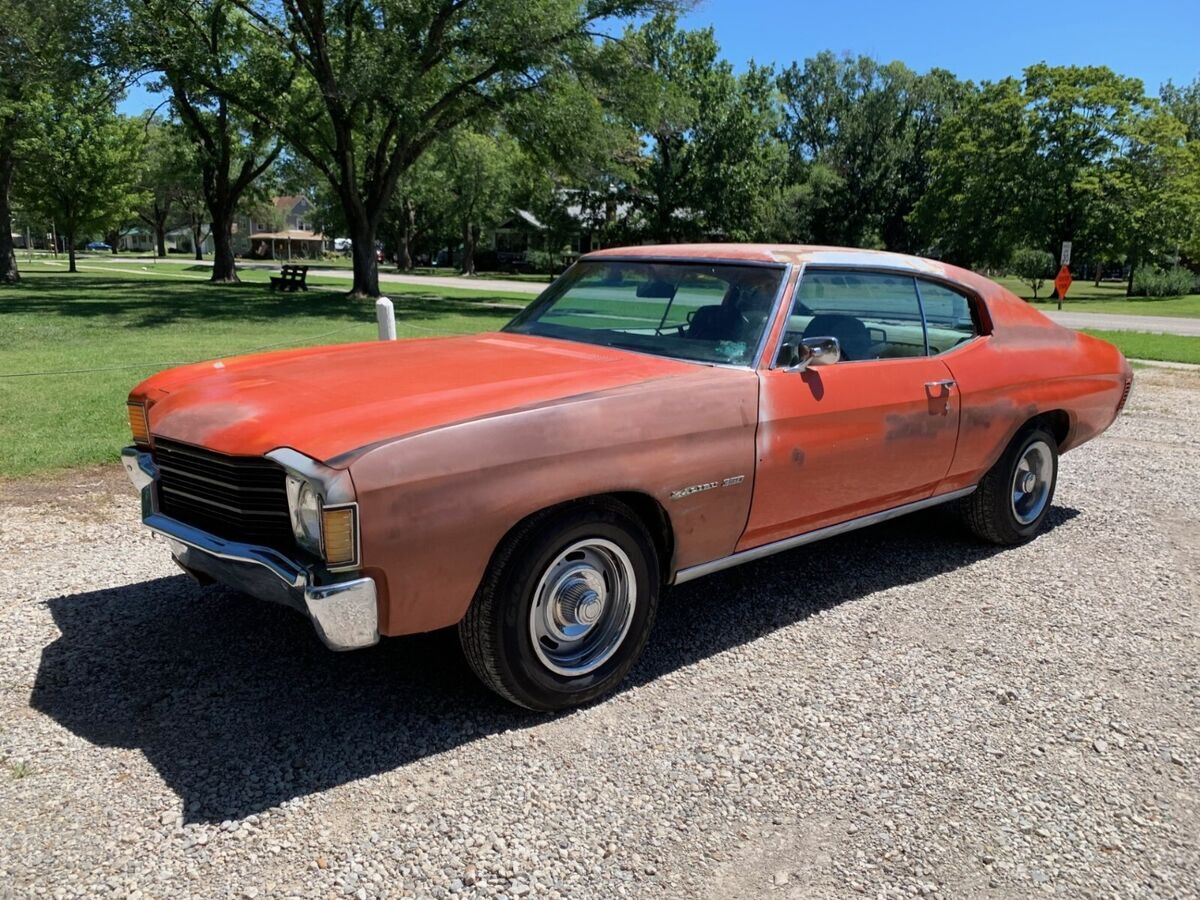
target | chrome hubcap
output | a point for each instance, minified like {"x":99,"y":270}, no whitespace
{"x":1031,"y":482}
{"x":583,"y":607}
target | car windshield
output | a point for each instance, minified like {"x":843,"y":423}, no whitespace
{"x":708,"y":312}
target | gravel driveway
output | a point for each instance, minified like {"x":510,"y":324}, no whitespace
{"x":895,"y":712}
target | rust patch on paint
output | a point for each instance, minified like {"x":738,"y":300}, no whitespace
{"x":917,"y":426}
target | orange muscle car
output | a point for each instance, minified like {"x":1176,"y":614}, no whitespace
{"x":657,"y":414}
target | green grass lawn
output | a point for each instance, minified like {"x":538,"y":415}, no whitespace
{"x":184,"y":271}
{"x":329,"y":262}
{"x":128,"y":326}
{"x":1109,"y":297}
{"x":1165,"y":347}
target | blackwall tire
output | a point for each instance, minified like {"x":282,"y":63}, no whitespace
{"x":566,"y":606}
{"x":1012,"y":500}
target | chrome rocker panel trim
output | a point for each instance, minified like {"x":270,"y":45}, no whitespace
{"x":809,"y":537}
{"x":345,"y":614}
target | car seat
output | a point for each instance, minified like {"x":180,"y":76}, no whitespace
{"x":851,"y":334}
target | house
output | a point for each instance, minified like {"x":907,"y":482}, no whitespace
{"x":138,"y":240}
{"x":182,"y":240}
{"x":513,"y":238}
{"x":290,"y":236}
{"x":584,"y":217}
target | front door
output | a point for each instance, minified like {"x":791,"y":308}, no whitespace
{"x":873,"y":431}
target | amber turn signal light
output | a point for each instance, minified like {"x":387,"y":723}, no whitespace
{"x":338,"y":528}
{"x":138,"y":424}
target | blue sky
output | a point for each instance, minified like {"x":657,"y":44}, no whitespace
{"x":1151,"y":39}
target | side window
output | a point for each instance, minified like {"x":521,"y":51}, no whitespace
{"x":947,"y":316}
{"x":873,"y":316}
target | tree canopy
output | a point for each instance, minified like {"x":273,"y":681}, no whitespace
{"x":83,"y":161}
{"x":427,"y":124}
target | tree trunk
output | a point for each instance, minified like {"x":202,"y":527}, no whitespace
{"x":404,"y":252}
{"x":366,"y":266}
{"x":8,"y":254}
{"x":468,"y":258}
{"x":224,"y":268}
{"x":408,"y":220}
{"x":197,"y":239}
{"x":1133,"y":264}
{"x":160,"y":239}
{"x":71,"y":251}
{"x":114,"y":238}
{"x":1099,"y":272}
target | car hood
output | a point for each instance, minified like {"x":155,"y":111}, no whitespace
{"x":327,"y":402}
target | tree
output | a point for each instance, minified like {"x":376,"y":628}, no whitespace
{"x":681,"y":76}
{"x":1033,"y":267}
{"x":862,"y":132}
{"x":1184,"y":104}
{"x":168,"y":172}
{"x":1079,"y":116}
{"x":51,"y":42}
{"x":1155,"y":189}
{"x":478,"y":172}
{"x":979,"y":203}
{"x":370,"y":85}
{"x":82,"y":161}
{"x":711,"y":161}
{"x":194,"y":213}
{"x":197,"y":47}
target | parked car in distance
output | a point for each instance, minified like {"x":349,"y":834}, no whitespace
{"x":97,"y":245}
{"x":657,"y":414}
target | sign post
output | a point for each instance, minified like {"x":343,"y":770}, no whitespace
{"x":1062,"y":283}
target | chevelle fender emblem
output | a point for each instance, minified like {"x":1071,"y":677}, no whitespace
{"x":707,"y":486}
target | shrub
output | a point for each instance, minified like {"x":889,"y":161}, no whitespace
{"x":1033,"y":267}
{"x":545,"y":262}
{"x":1151,"y":281}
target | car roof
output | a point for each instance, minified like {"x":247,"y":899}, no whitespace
{"x":1004,"y":308}
{"x":787,"y":254}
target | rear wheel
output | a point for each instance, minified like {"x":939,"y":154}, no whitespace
{"x":565,"y":607}
{"x":1014,"y":497}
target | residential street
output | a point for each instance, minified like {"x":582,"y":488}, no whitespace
{"x":1118,"y":322}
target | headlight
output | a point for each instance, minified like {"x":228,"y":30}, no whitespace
{"x":304,"y":508}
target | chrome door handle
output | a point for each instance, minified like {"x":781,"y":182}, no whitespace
{"x":944,"y":387}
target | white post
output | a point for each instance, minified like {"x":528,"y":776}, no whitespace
{"x":385,"y":313}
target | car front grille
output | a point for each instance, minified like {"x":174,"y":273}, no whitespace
{"x":238,"y":498}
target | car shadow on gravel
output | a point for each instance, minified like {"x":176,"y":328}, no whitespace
{"x":239,"y":708}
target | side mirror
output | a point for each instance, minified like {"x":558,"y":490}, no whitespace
{"x":814,"y":351}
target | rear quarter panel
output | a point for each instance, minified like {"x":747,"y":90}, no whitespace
{"x":1028,"y":365}
{"x":435,"y":505}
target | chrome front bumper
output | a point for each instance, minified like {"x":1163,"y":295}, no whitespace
{"x":344,"y":613}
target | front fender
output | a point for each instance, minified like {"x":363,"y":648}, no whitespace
{"x":434,"y":506}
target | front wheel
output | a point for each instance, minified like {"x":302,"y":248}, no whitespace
{"x":1014,"y":497}
{"x":565,"y":608}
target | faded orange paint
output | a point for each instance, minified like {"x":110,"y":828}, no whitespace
{"x":451,"y":442}
{"x":838,"y":442}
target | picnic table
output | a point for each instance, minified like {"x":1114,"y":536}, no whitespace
{"x":290,"y":279}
